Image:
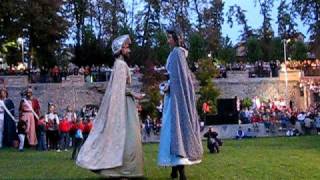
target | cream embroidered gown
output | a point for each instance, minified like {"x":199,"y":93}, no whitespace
{"x":114,"y":148}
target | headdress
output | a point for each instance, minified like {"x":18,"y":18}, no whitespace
{"x":118,"y":43}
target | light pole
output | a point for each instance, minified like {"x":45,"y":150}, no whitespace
{"x":285,"y":42}
{"x":20,"y":41}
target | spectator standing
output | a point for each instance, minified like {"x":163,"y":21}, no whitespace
{"x":148,"y":125}
{"x":318,"y":123}
{"x":52,"y":120}
{"x":55,"y":74}
{"x":64,"y":128}
{"x":22,"y":127}
{"x":78,"y":139}
{"x":87,"y":128}
{"x":41,"y":132}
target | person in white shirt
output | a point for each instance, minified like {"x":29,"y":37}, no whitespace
{"x":52,"y":120}
{"x":70,"y":114}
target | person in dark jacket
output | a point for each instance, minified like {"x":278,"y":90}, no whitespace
{"x":213,"y":142}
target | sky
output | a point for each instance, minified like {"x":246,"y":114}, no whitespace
{"x":254,"y":19}
{"x":253,"y":16}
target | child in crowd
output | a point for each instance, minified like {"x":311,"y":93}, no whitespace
{"x":72,"y":132}
{"x":52,"y":121}
{"x":70,"y":115}
{"x":41,"y":129}
{"x":64,"y":127}
{"x":87,"y":128}
{"x":22,"y":127}
{"x":78,"y":138}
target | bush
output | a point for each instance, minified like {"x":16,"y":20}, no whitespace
{"x":247,"y":102}
{"x":207,"y":91}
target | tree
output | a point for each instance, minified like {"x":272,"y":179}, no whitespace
{"x":299,"y":51}
{"x":148,"y":24}
{"x":11,"y":20}
{"x":213,"y":20}
{"x":161,"y":49}
{"x":309,"y":11}
{"x":277,"y":49}
{"x":79,"y":9}
{"x":198,"y":9}
{"x":42,"y":25}
{"x":11,"y":25}
{"x":254,"y":51}
{"x":286,"y":23}
{"x":176,"y":13}
{"x":227,"y":53}
{"x":266,"y":32}
{"x":45,"y":28}
{"x":240,"y":17}
{"x":197,"y":48}
{"x":207,"y":92}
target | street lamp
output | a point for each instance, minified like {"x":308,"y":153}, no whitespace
{"x":285,"y":42}
{"x":20,"y":42}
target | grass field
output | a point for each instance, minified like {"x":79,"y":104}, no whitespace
{"x":256,"y":159}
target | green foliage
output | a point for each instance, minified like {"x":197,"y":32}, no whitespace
{"x":277,"y":49}
{"x":299,"y":51}
{"x":286,"y":23}
{"x":96,"y":55}
{"x":197,"y":47}
{"x":309,"y":11}
{"x":250,"y":159}
{"x":39,"y":22}
{"x":227,"y":53}
{"x":151,"y":81}
{"x":161,"y":49}
{"x":235,"y":13}
{"x":213,"y":20}
{"x":254,"y":51}
{"x":207,"y":92}
{"x":247,"y":102}
{"x":206,"y":71}
{"x":10,"y":52}
{"x":149,"y":106}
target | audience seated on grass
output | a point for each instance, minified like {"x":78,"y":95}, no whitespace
{"x":293,"y":132}
{"x":240,"y":133}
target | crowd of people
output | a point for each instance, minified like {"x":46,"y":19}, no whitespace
{"x":57,"y":74}
{"x":43,"y":132}
{"x":310,"y":68}
{"x":257,"y":69}
{"x":276,"y":115}
{"x":150,"y":127}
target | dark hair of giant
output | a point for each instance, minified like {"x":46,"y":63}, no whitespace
{"x":174,"y":36}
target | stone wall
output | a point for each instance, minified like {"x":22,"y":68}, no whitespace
{"x":74,"y":92}
{"x":240,"y":85}
{"x":77,"y":93}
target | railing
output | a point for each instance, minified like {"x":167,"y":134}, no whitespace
{"x":312,"y":72}
{"x":58,"y":78}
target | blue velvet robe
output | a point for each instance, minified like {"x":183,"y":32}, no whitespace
{"x":9,"y":132}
